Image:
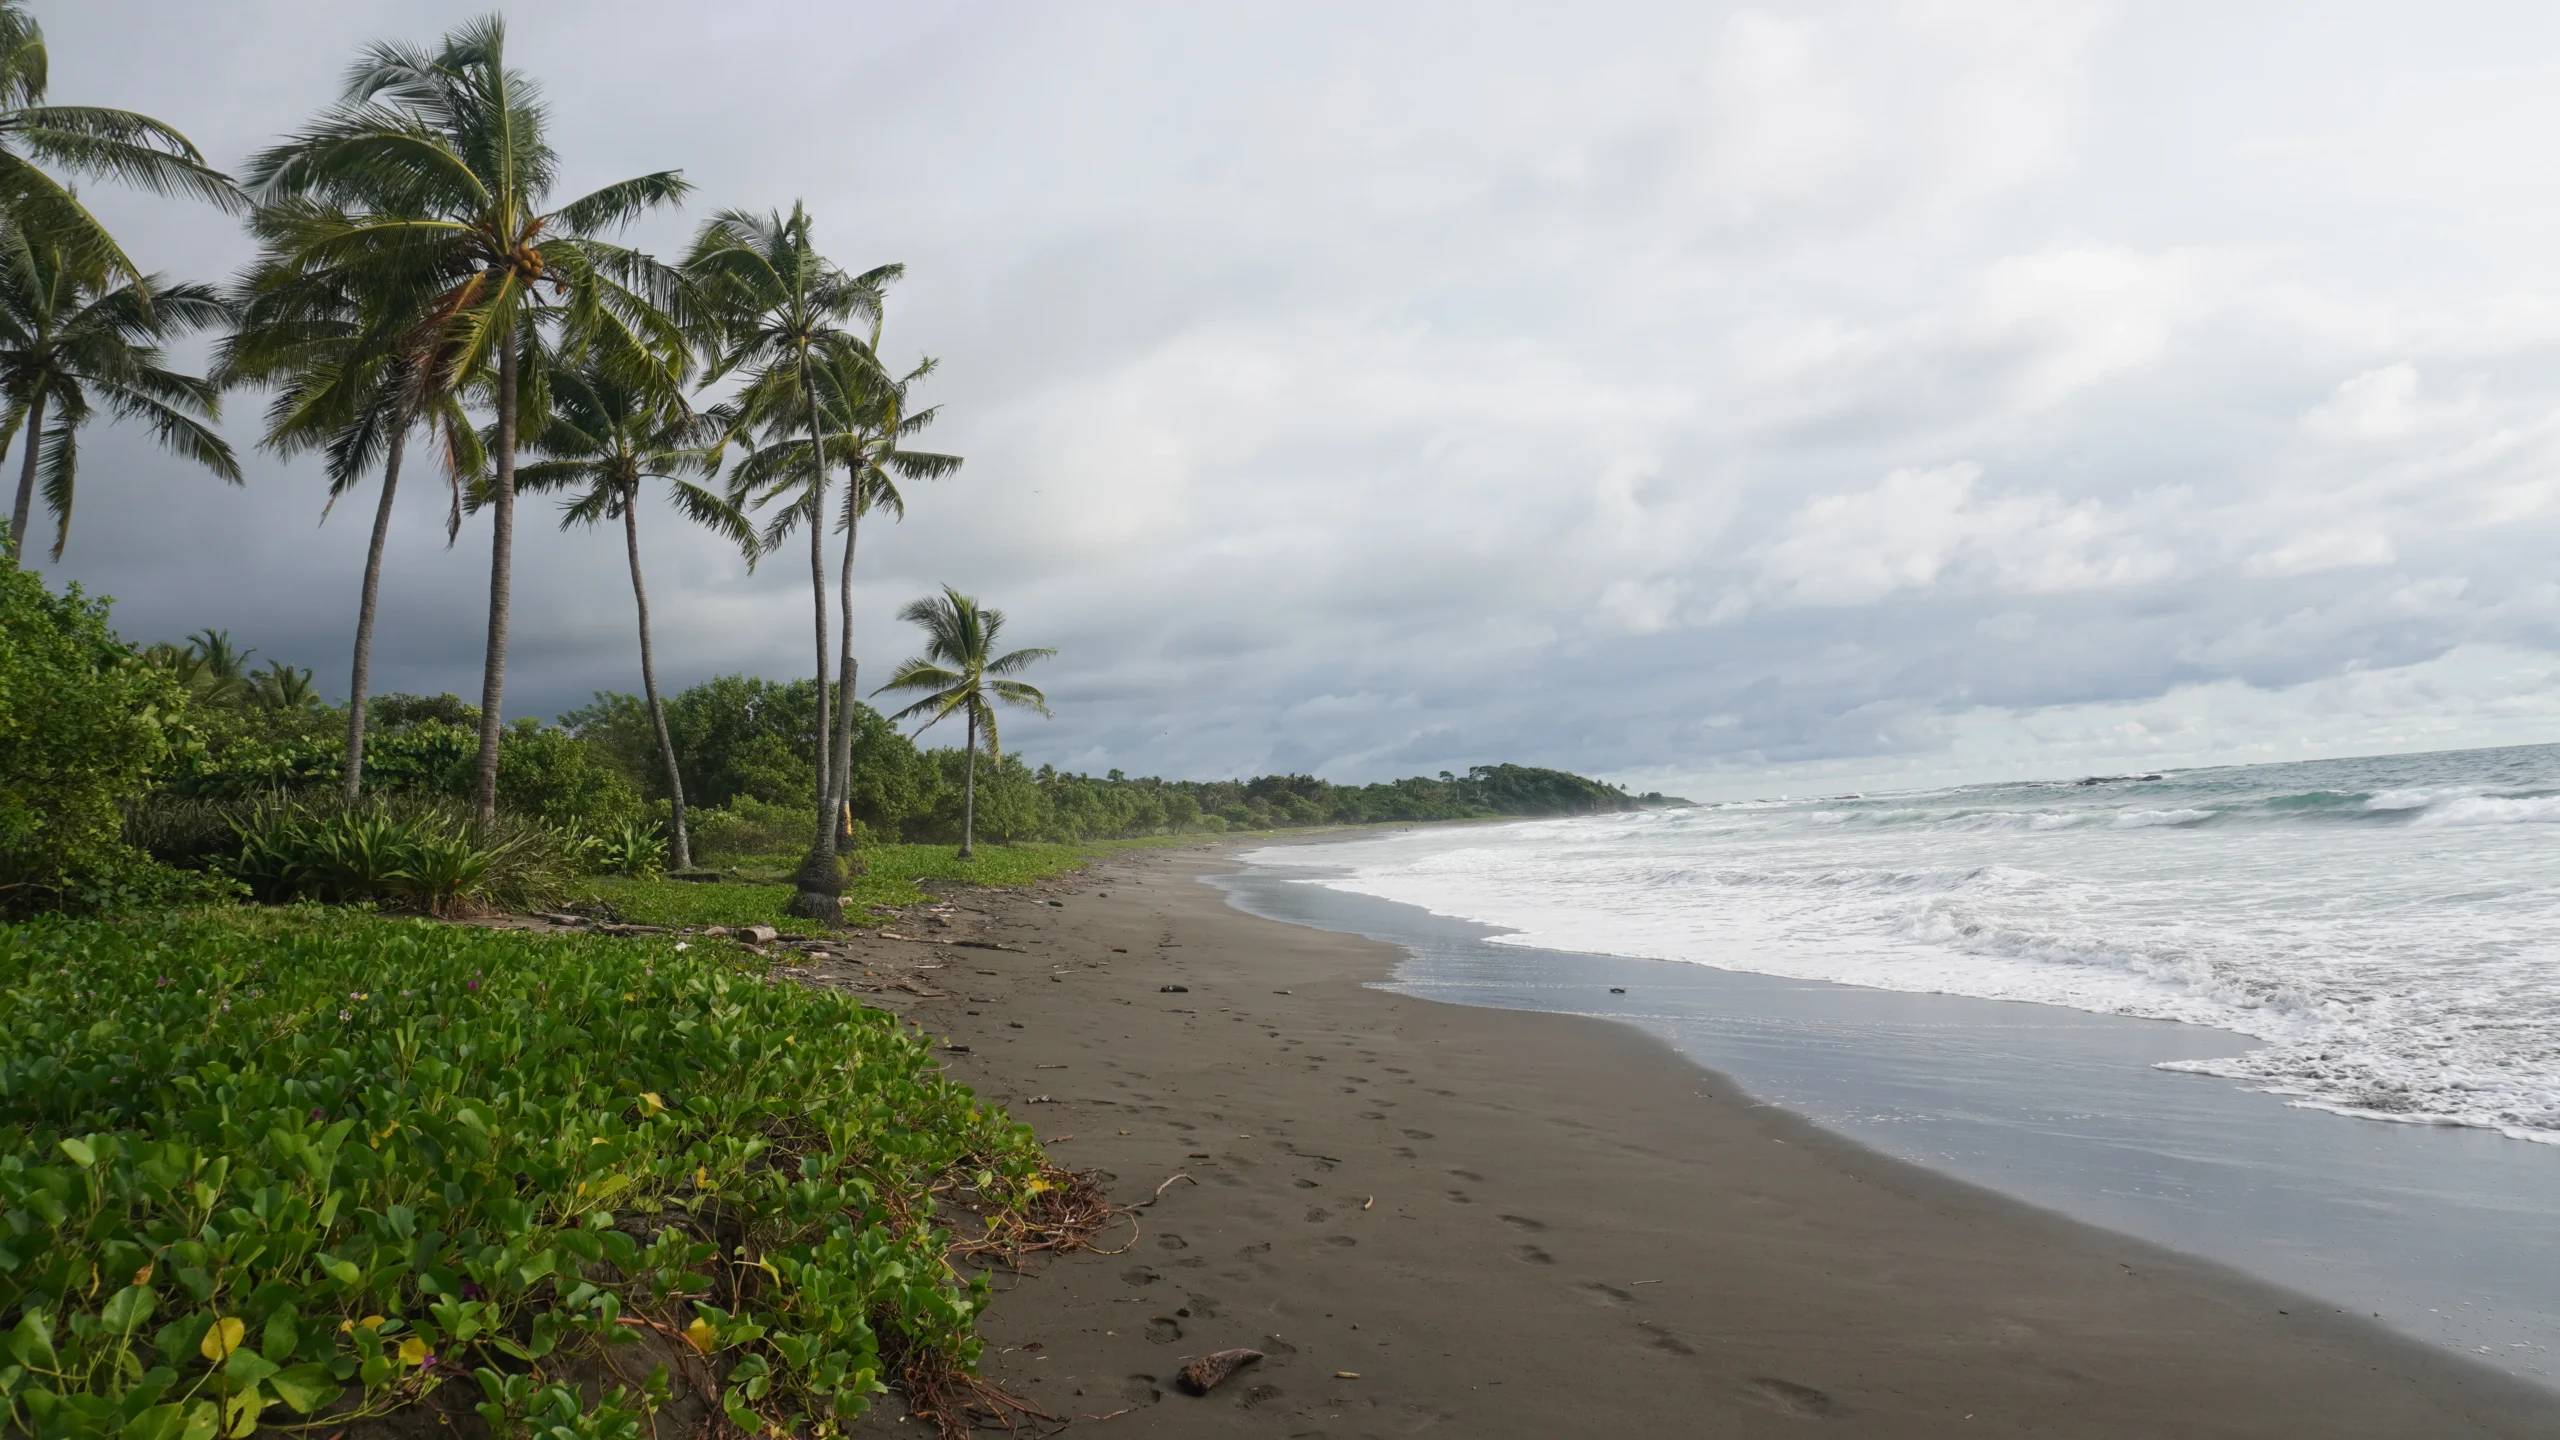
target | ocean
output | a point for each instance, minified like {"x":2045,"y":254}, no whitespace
{"x":2387,"y":929}
{"x":2127,"y":999}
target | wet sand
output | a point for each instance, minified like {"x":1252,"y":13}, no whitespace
{"x":1495,"y":1223}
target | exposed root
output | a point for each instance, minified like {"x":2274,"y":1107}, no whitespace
{"x":1069,"y":1214}
{"x":953,"y":1400}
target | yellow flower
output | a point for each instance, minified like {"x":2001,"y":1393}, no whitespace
{"x":655,"y":1104}
{"x":413,"y":1351}
{"x":222,"y":1339}
{"x":699,"y":1332}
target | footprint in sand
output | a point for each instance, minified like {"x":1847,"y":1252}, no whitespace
{"x":1788,"y":1397}
{"x":1304,"y":1184}
{"x":1523,"y":1222}
{"x":1670,"y":1344}
{"x":1345,"y":1241}
{"x":1533,"y":1254}
{"x":1405,"y":1152}
{"x":1163,"y":1330}
{"x":1417,"y":1134}
{"x":1460,"y":1197}
{"x":1139,"y":1275}
{"x":1317,"y":1214}
{"x":1260,"y":1395}
{"x":1204,"y":1306}
{"x":1466,"y":1174}
{"x":1172,"y":1242}
{"x":1372,"y":1115}
{"x":1606,"y":1294}
{"x":1141,"y":1390}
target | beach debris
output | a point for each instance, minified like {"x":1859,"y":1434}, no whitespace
{"x":1210,"y":1371}
{"x":990,"y":972}
{"x":1198,"y":1155}
{"x":1061,"y":904}
{"x":1346,"y":1374}
{"x":957,"y":1049}
{"x":1041,"y":1100}
{"x":757,"y":934}
{"x":1173,"y":989}
{"x":1372,"y":1200}
{"x":1279,"y":992}
{"x":1617,"y":989}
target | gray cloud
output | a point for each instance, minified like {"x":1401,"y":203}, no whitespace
{"x":1693,"y":394}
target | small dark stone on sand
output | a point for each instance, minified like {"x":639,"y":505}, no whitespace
{"x":1617,"y":989}
{"x":1173,"y":989}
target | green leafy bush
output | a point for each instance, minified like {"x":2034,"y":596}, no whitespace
{"x":420,"y":856}
{"x":82,"y":723}
{"x":259,"y":1168}
{"x":632,"y":848}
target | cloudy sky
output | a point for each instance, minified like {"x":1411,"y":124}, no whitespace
{"x":1733,"y":400}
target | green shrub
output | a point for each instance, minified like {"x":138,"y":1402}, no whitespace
{"x":82,"y":723}
{"x":632,"y":848}
{"x":556,"y":776}
{"x":748,"y":826}
{"x":259,"y":1168}
{"x":419,"y":856}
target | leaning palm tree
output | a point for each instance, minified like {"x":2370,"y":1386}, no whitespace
{"x":777,"y":310}
{"x":868,"y":421}
{"x":353,"y":385}
{"x":84,"y":140}
{"x":960,"y":668}
{"x":426,"y":190}
{"x":71,"y":341}
{"x":614,"y":422}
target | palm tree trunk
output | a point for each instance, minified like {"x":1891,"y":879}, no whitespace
{"x":679,"y":847}
{"x":502,"y":540}
{"x":969,"y":791}
{"x":819,"y":887}
{"x":360,"y":673}
{"x":25,"y":510}
{"x":846,"y":688}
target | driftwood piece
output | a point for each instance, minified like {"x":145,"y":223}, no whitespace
{"x":1210,"y":1371}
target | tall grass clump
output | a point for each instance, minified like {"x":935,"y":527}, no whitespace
{"x":309,"y":1169}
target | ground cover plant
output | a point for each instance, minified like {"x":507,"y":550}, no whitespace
{"x":307,"y":1168}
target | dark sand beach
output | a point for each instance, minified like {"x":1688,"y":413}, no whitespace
{"x":1495,"y":1223}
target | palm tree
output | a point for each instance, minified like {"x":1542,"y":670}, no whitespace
{"x":426,"y":189}
{"x":615,"y":421}
{"x":777,"y":309}
{"x":959,"y":666}
{"x":868,"y":420}
{"x":352,"y":385}
{"x":68,"y":339}
{"x":83,"y":139}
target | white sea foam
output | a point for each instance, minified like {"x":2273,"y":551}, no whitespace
{"x":2403,"y":964}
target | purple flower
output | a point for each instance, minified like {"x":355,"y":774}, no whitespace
{"x":470,"y":984}
{"x":471,"y":1290}
{"x":315,"y":1114}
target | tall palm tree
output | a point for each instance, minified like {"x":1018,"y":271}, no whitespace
{"x":868,"y":420}
{"x":614,"y":422}
{"x":965,"y":676}
{"x":427,"y":187}
{"x":777,"y":310}
{"x":85,"y":140}
{"x":353,"y":385}
{"x":69,"y":338}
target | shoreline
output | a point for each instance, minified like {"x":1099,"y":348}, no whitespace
{"x":1511,"y":1222}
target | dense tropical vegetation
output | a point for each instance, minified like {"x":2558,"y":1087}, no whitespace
{"x":306,"y":1164}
